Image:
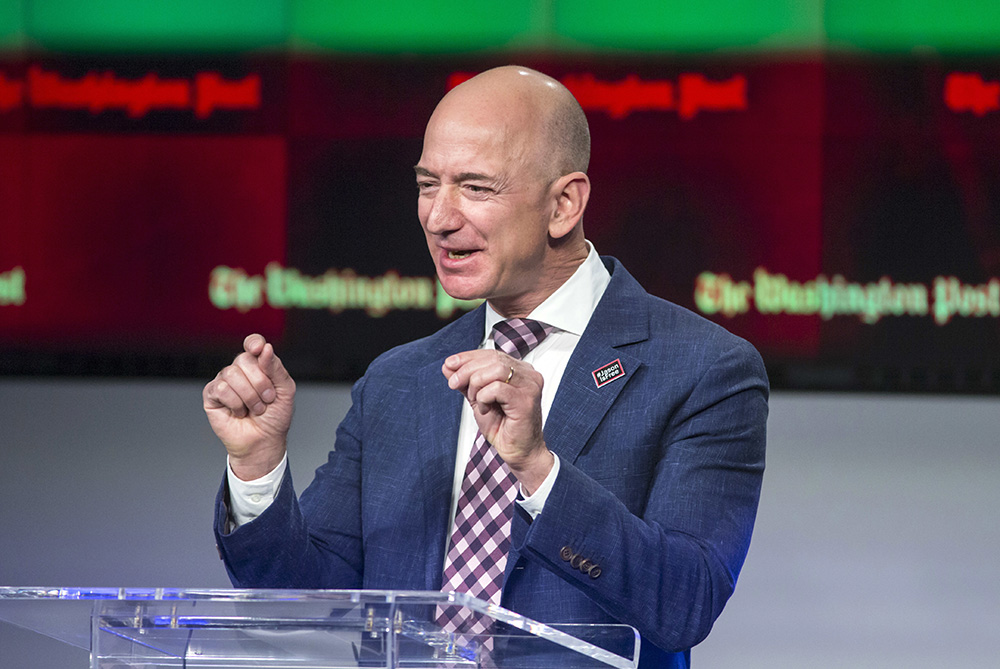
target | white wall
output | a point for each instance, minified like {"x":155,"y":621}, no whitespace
{"x":876,"y":543}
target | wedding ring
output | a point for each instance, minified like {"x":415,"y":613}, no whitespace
{"x":509,"y":376}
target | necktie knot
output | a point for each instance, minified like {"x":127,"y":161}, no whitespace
{"x":517,"y":336}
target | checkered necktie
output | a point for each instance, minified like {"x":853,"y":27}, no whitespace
{"x":480,"y":538}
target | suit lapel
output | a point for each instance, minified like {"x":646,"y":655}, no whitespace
{"x":437,"y":421}
{"x":621,"y":318}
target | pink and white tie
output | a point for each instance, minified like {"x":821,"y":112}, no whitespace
{"x":480,"y":538}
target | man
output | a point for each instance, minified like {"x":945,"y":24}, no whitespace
{"x":637,"y":499}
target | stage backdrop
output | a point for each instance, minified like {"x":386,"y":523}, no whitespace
{"x":822,"y":178}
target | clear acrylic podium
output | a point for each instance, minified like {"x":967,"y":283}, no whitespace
{"x":126,"y":628}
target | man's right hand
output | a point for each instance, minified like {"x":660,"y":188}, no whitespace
{"x":249,"y":405}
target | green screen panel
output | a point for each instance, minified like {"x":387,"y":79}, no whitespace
{"x":668,"y":25}
{"x":901,"y":25}
{"x":121,"y":25}
{"x":404,"y":25}
{"x":11,"y":25}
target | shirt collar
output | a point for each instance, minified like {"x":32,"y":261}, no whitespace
{"x":570,"y":307}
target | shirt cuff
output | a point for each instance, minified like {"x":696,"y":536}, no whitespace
{"x":534,"y":504}
{"x":249,"y":499}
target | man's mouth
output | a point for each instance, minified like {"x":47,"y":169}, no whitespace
{"x":458,"y":255}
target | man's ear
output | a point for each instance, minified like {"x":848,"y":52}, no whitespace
{"x":572,"y":191}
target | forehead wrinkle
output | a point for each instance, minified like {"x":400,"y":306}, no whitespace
{"x":496,"y":141}
{"x":474,"y":176}
{"x":519,"y":101}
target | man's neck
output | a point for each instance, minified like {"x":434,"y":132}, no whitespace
{"x":559,"y":270}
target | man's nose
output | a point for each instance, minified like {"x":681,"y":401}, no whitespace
{"x":444,"y":215}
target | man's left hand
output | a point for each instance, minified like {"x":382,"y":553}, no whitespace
{"x":506,"y":399}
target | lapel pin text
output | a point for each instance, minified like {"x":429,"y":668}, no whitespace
{"x":608,"y":373}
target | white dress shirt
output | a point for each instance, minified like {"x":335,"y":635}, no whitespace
{"x":568,"y":310}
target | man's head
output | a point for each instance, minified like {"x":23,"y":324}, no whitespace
{"x":503,"y":186}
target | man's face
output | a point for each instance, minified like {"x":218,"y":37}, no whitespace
{"x":484,"y":208}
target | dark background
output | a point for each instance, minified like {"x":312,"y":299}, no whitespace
{"x":841,"y":165}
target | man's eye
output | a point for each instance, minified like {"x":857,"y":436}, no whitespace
{"x":472,"y":188}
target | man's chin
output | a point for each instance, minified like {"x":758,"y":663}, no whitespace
{"x":461,"y":290}
{"x":460,"y":294}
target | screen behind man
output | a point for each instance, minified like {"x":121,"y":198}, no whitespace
{"x":630,"y":431}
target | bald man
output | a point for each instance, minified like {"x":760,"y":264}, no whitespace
{"x":632,"y":431}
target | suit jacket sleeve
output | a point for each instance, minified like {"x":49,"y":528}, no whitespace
{"x":279,"y":549}
{"x":376,"y":513}
{"x":670,"y":540}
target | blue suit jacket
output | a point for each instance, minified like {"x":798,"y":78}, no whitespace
{"x":659,"y":482}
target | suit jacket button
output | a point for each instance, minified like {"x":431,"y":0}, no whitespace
{"x":566,"y":553}
{"x":586,"y":566}
{"x":576,"y":561}
{"x":594,"y":572}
